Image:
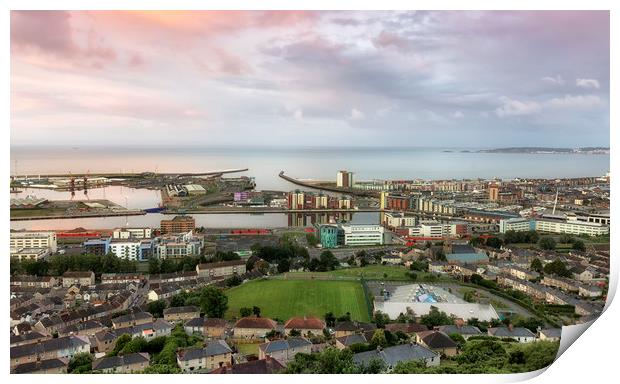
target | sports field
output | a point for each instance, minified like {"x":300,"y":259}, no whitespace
{"x":284,"y":299}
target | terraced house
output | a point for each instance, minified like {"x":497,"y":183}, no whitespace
{"x":67,"y":346}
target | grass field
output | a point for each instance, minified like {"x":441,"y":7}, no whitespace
{"x":284,"y":299}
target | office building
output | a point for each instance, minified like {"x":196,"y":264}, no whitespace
{"x":34,"y":240}
{"x":179,"y":224}
{"x":363,"y":234}
{"x":132,"y":233}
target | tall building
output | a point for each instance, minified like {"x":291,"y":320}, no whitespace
{"x":180,"y":224}
{"x":363,"y":234}
{"x":493,"y":191}
{"x":328,"y":235}
{"x":344,"y":179}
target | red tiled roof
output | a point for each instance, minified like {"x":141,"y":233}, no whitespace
{"x":304,"y":323}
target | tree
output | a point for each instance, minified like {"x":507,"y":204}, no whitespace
{"x":458,"y":338}
{"x":557,"y":267}
{"x":374,"y":366}
{"x":295,"y":333}
{"x":380,"y":319}
{"x":233,"y":281}
{"x":330,"y":319}
{"x":311,"y":239}
{"x":378,"y":339}
{"x":441,"y":255}
{"x":483,"y":352}
{"x":156,"y":308}
{"x":256,"y":311}
{"x":137,"y":344}
{"x":435,"y":318}
{"x":579,"y":245}
{"x":177,"y":300}
{"x":80,"y":363}
{"x":536,"y":265}
{"x":494,"y":242}
{"x":213,"y":302}
{"x":284,"y":266}
{"x":245,"y":311}
{"x":547,"y":243}
{"x":120,"y":344}
{"x":329,"y":361}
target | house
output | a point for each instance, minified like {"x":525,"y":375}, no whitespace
{"x":149,"y":331}
{"x":343,"y":342}
{"x":49,"y":366}
{"x":221,"y":269}
{"x":67,"y":346}
{"x":132,"y":319}
{"x":437,"y":266}
{"x":550,"y":334}
{"x":212,"y":328}
{"x":122,"y":278}
{"x":581,"y":273}
{"x":305,"y":325}
{"x":260,"y":367}
{"x":464,"y":330}
{"x":216,"y":354}
{"x":406,"y":328}
{"x":590,"y":291}
{"x":467,"y":258}
{"x":86,"y":328}
{"x":33,"y":281}
{"x":399,"y":353}
{"x":253,"y":327}
{"x":105,"y":341}
{"x":84,"y":278}
{"x":28,"y":338}
{"x":437,"y":341}
{"x":50,"y":325}
{"x":131,"y":363}
{"x":344,"y":328}
{"x":391,"y":259}
{"x":284,"y":350}
{"x":522,"y":335}
{"x":175,"y":314}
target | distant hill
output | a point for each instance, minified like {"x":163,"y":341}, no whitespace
{"x":584,"y":150}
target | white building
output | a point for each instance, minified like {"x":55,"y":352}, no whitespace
{"x":34,"y":240}
{"x":363,"y":234}
{"x":517,"y":224}
{"x":571,"y":227}
{"x":399,"y":220}
{"x":125,"y":249}
{"x":132,"y":233}
{"x":431,"y":229}
{"x":29,"y":253}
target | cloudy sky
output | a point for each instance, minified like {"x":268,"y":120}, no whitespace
{"x":480,"y":79}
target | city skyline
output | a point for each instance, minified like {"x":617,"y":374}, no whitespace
{"x":453,"y":79}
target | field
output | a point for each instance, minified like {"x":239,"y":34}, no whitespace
{"x":283,"y":299}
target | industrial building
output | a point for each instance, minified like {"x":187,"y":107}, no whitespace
{"x":34,"y":240}
{"x":554,"y":225}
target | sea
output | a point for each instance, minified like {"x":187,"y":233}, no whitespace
{"x":264,"y":164}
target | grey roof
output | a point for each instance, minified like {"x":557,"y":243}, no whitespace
{"x":175,"y":310}
{"x":119,"y":361}
{"x":462,"y":330}
{"x":352,"y":339}
{"x":132,"y":317}
{"x":213,"y":348}
{"x":552,"y":332}
{"x":156,"y":325}
{"x":41,"y":365}
{"x":393,"y":355}
{"x":282,"y":345}
{"x":217,"y":347}
{"x":437,"y":340}
{"x":506,"y":332}
{"x":49,"y":345}
{"x":26,"y":337}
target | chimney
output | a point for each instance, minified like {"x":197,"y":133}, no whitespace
{"x":459,"y":322}
{"x":510,"y":327}
{"x":379,"y":349}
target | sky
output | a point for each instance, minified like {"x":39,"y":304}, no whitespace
{"x":444,"y":78}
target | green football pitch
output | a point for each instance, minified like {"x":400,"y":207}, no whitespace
{"x":284,"y":299}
